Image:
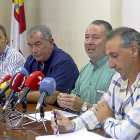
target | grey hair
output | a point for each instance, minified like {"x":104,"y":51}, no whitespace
{"x":45,"y":32}
{"x":4,"y":32}
{"x":128,"y":36}
{"x":107,"y":26}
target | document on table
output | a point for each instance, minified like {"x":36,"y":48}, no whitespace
{"x":48,"y":115}
{"x":81,"y":134}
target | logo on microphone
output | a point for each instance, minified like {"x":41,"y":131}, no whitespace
{"x":13,"y":82}
{"x":18,"y":70}
{"x":22,"y":84}
{"x":47,"y":81}
{"x":40,"y":78}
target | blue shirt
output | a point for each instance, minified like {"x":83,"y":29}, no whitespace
{"x":10,"y":61}
{"x":59,"y":66}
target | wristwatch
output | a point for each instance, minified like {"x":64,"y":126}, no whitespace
{"x":84,"y":107}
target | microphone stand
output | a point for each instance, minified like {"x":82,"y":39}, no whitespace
{"x":42,"y":114}
{"x":14,"y":115}
{"x":24,"y":105}
{"x":24,"y":115}
{"x":14,"y":108}
{"x":2,"y":100}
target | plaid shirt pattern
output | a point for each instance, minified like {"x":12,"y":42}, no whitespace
{"x":126,"y":108}
{"x":10,"y":61}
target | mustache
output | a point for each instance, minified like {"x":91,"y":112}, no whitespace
{"x":36,"y":54}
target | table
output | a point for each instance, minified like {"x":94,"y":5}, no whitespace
{"x":30,"y":134}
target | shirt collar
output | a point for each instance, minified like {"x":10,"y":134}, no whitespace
{"x":54,"y":48}
{"x":100,"y":62}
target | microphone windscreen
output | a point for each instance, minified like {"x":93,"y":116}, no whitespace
{"x":48,"y":84}
{"x":6,"y":78}
{"x":34,"y":79}
{"x":3,"y":85}
{"x":17,"y":82}
{"x":22,"y":70}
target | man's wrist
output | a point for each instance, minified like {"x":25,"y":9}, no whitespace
{"x":106,"y":121}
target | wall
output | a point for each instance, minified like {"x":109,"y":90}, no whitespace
{"x":68,"y":20}
{"x":132,"y":9}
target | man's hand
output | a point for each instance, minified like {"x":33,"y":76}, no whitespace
{"x":103,"y":111}
{"x":65,"y":125}
{"x":59,"y":99}
{"x":70,"y":101}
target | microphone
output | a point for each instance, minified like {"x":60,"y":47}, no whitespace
{"x":47,"y":88}
{"x":6,"y":78}
{"x":22,"y":70}
{"x":32,"y":83}
{"x":3,"y":98}
{"x":3,"y":85}
{"x":16,"y":85}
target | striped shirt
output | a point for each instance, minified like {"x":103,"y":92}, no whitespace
{"x":10,"y":60}
{"x":126,"y":125}
{"x":93,"y":80}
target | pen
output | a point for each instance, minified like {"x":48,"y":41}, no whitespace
{"x":101,"y":91}
{"x":56,"y":121}
{"x":68,"y":91}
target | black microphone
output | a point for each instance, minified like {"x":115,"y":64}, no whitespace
{"x":47,"y":88}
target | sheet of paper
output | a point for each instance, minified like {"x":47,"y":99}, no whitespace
{"x":81,"y":134}
{"x":48,"y":115}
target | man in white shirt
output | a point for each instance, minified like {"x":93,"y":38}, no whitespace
{"x":10,"y":59}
